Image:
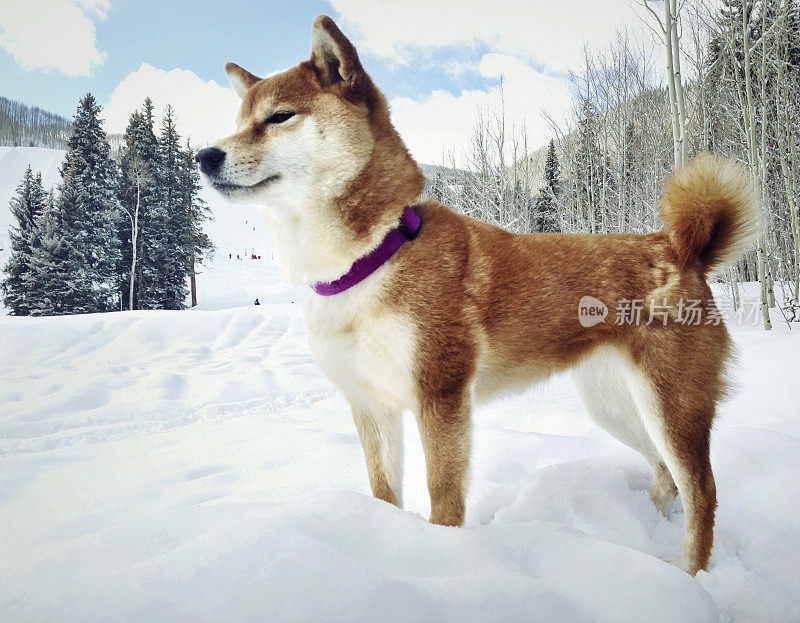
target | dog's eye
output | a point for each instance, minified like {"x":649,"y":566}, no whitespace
{"x":279,"y":117}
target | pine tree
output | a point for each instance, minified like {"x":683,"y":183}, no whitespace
{"x":134,"y":192}
{"x":164,"y":271}
{"x":26,"y":206}
{"x":546,"y":207}
{"x":170,"y":239}
{"x":199,"y":243}
{"x":87,"y":205}
{"x":179,"y":216}
{"x":58,"y":276}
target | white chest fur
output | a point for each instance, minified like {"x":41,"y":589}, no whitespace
{"x":364,"y":348}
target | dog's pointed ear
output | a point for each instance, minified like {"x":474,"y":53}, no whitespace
{"x":241,"y":79}
{"x":332,"y":54}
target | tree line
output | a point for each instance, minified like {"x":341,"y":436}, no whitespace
{"x":731,"y":85}
{"x":29,"y":126}
{"x":117,"y":233}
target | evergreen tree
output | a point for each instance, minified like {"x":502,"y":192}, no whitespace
{"x":163,"y":178}
{"x":26,"y":207}
{"x":59,"y":279}
{"x":88,"y":209}
{"x":168,"y":232}
{"x":199,"y":243}
{"x":134,"y":192}
{"x":546,"y":207}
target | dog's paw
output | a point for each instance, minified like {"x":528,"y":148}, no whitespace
{"x":663,"y":499}
{"x":682,"y":562}
{"x":663,"y":492}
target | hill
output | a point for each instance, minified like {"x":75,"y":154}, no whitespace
{"x":30,"y":126}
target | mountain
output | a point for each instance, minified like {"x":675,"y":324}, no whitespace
{"x":22,"y":125}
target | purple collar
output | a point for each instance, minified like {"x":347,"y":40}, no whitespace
{"x":364,"y":266}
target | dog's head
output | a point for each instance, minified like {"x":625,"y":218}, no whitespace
{"x":303,"y":136}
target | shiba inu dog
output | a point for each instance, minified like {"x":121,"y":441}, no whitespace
{"x":417,"y":307}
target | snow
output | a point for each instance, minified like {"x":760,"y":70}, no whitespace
{"x":197,"y":466}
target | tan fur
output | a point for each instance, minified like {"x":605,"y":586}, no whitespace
{"x":663,"y":491}
{"x":381,"y":434}
{"x":711,"y":210}
{"x":468,"y":310}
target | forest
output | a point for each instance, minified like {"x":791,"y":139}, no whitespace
{"x":30,"y":126}
{"x":121,"y":231}
{"x":721,"y":77}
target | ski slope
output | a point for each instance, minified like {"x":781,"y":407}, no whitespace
{"x":197,"y":466}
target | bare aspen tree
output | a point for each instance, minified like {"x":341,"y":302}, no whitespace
{"x":140,"y":178}
{"x":671,"y":36}
{"x":494,"y":183}
{"x":785,"y":140}
{"x":748,"y":110}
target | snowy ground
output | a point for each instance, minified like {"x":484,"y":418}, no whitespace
{"x":185,"y":466}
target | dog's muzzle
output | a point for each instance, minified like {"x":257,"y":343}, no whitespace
{"x":210,"y":159}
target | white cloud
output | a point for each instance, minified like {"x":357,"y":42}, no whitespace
{"x":443,"y":121}
{"x":97,"y":7}
{"x":532,"y":44}
{"x":539,"y":31}
{"x":52,"y":34}
{"x":204,"y":110}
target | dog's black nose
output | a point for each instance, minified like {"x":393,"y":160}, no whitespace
{"x":210,"y":159}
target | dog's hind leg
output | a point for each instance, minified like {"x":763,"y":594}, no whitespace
{"x":678,"y":419}
{"x":381,"y":432}
{"x":601,"y":383}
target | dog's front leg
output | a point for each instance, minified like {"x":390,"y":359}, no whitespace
{"x":381,"y":432}
{"x":444,"y":424}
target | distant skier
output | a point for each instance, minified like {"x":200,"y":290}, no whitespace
{"x":256,"y":303}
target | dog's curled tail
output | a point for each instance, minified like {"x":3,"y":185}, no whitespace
{"x":712,"y":211}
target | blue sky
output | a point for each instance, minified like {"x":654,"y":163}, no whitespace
{"x":196,"y":35}
{"x":437,"y":62}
